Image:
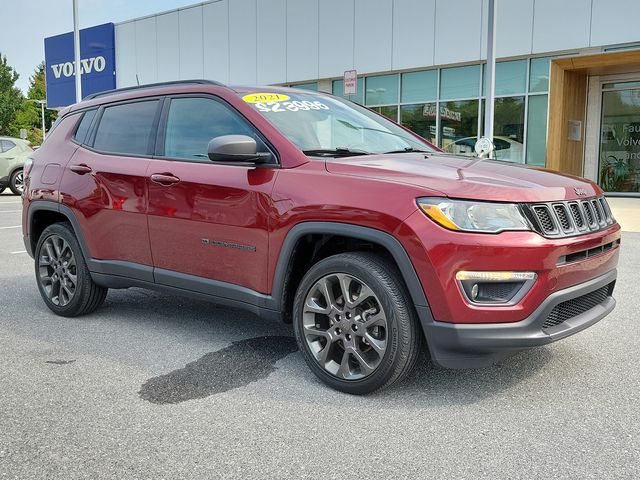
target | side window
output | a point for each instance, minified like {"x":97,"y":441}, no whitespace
{"x":126,"y":128}
{"x":193,"y":122}
{"x":83,"y":128}
{"x":6,"y":145}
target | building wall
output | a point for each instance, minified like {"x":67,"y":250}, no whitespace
{"x":285,"y":41}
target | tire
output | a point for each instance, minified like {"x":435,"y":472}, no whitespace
{"x":16,"y":183}
{"x":59,"y":259}
{"x":377,"y":331}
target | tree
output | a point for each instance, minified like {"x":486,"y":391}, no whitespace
{"x":29,"y":116}
{"x":10,"y":98}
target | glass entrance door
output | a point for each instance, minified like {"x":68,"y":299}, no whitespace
{"x":619,"y":159}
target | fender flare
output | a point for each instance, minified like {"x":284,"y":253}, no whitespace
{"x":389,"y":242}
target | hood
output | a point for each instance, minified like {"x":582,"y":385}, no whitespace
{"x":467,"y":177}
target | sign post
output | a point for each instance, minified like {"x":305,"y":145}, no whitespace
{"x":76,"y":51}
{"x":350,"y":83}
{"x":490,"y":74}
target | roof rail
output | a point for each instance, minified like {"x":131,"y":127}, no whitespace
{"x":152,"y":85}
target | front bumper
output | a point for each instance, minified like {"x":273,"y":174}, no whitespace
{"x":477,"y":345}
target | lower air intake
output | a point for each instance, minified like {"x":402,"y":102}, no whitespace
{"x":577,"y":306}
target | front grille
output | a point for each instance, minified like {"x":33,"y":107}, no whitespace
{"x":565,"y":219}
{"x":577,"y":306}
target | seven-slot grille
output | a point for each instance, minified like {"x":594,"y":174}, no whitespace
{"x":577,"y":306}
{"x":573,"y":217}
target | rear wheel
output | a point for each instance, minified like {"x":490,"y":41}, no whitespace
{"x":63,"y":278}
{"x":354,"y":323}
{"x":16,"y":183}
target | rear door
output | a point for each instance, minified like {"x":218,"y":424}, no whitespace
{"x":105,"y":185}
{"x":207,"y":220}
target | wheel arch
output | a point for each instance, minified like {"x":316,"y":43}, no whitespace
{"x":283,"y":288}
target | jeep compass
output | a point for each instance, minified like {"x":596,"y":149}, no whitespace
{"x":305,"y":208}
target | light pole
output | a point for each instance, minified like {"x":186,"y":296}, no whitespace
{"x":76,"y":50}
{"x":42,"y":104}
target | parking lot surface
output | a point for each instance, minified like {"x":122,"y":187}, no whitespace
{"x":158,"y":386}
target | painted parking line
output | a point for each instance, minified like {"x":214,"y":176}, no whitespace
{"x":18,"y":252}
{"x":10,"y":211}
{"x":7,"y":228}
{"x":9,"y":203}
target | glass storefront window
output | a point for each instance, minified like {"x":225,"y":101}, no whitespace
{"x":337,"y":88}
{"x":419,"y":86}
{"x":459,"y":82}
{"x":459,"y":126}
{"x":381,"y":90}
{"x":391,"y":112}
{"x":511,"y":77}
{"x":537,"y":130}
{"x":539,"y":75}
{"x":620,"y":141}
{"x":421,"y":119}
{"x":307,"y":86}
{"x":508,"y":129}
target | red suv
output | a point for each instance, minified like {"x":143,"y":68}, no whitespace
{"x":309,"y":209}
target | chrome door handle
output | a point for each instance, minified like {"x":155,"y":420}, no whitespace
{"x":165,"y":179}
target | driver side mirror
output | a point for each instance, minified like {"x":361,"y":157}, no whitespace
{"x":236,"y":149}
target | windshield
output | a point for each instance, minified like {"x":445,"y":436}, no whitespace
{"x":323,"y":125}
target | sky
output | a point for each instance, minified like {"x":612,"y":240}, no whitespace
{"x":30,"y":21}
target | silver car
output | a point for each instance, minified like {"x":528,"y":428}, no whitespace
{"x":13,"y":153}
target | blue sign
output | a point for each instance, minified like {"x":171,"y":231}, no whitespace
{"x":97,"y":64}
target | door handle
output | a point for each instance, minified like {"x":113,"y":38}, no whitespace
{"x":165,"y":179}
{"x":80,"y":169}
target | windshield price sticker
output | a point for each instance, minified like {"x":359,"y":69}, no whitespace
{"x":265,"y":97}
{"x":290,"y":106}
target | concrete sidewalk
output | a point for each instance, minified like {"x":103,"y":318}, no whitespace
{"x":627,"y":212}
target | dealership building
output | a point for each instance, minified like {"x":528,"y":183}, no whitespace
{"x":567,"y":83}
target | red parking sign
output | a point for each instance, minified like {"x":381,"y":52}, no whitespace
{"x":350,"y":83}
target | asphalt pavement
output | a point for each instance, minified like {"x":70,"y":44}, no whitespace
{"x":158,"y":386}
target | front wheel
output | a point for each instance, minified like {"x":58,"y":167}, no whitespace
{"x":355,"y":324}
{"x":63,"y":278}
{"x":16,"y":183}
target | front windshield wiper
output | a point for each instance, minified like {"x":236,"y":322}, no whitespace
{"x":334,"y":152}
{"x":409,"y":150}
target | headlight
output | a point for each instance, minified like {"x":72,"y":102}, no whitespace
{"x":472,"y":216}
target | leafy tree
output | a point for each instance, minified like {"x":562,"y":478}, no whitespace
{"x":10,"y":98}
{"x":29,"y":116}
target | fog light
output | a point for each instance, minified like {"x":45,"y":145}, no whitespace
{"x":495,"y":288}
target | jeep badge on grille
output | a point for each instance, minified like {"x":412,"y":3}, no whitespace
{"x":579,"y":191}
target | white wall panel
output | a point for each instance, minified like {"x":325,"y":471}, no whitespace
{"x":125,"y":34}
{"x":561,"y":25}
{"x":146,"y":53}
{"x":514,"y":28}
{"x":458,"y":31}
{"x":168,"y":42}
{"x":302,"y":40}
{"x":242,"y":42}
{"x":614,"y":21}
{"x":413,"y":33}
{"x":336,"y":37}
{"x":190,"y":32}
{"x":373,"y":35}
{"x":215,"y":39}
{"x":272,"y":41}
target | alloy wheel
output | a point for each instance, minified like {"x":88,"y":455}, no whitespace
{"x":57,"y":270}
{"x":18,"y":182}
{"x":345,"y":326}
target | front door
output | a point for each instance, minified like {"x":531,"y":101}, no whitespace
{"x":207,"y":221}
{"x":619,"y":135}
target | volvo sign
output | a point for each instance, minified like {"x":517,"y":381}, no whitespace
{"x":97,"y":64}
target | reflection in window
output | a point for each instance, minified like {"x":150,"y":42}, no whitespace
{"x":511,"y":77}
{"x":313,"y":86}
{"x":620,"y":141}
{"x":537,"y":130}
{"x":539,"y":75}
{"x":508,"y":129}
{"x":419,"y":86}
{"x":390,"y":111}
{"x":421,"y":119}
{"x":381,"y":90}
{"x":460,"y":82}
{"x":459,"y":126}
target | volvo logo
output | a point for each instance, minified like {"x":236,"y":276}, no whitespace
{"x":579,"y":191}
{"x":87,"y":65}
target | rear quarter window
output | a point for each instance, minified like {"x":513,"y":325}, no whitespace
{"x":83,"y":127}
